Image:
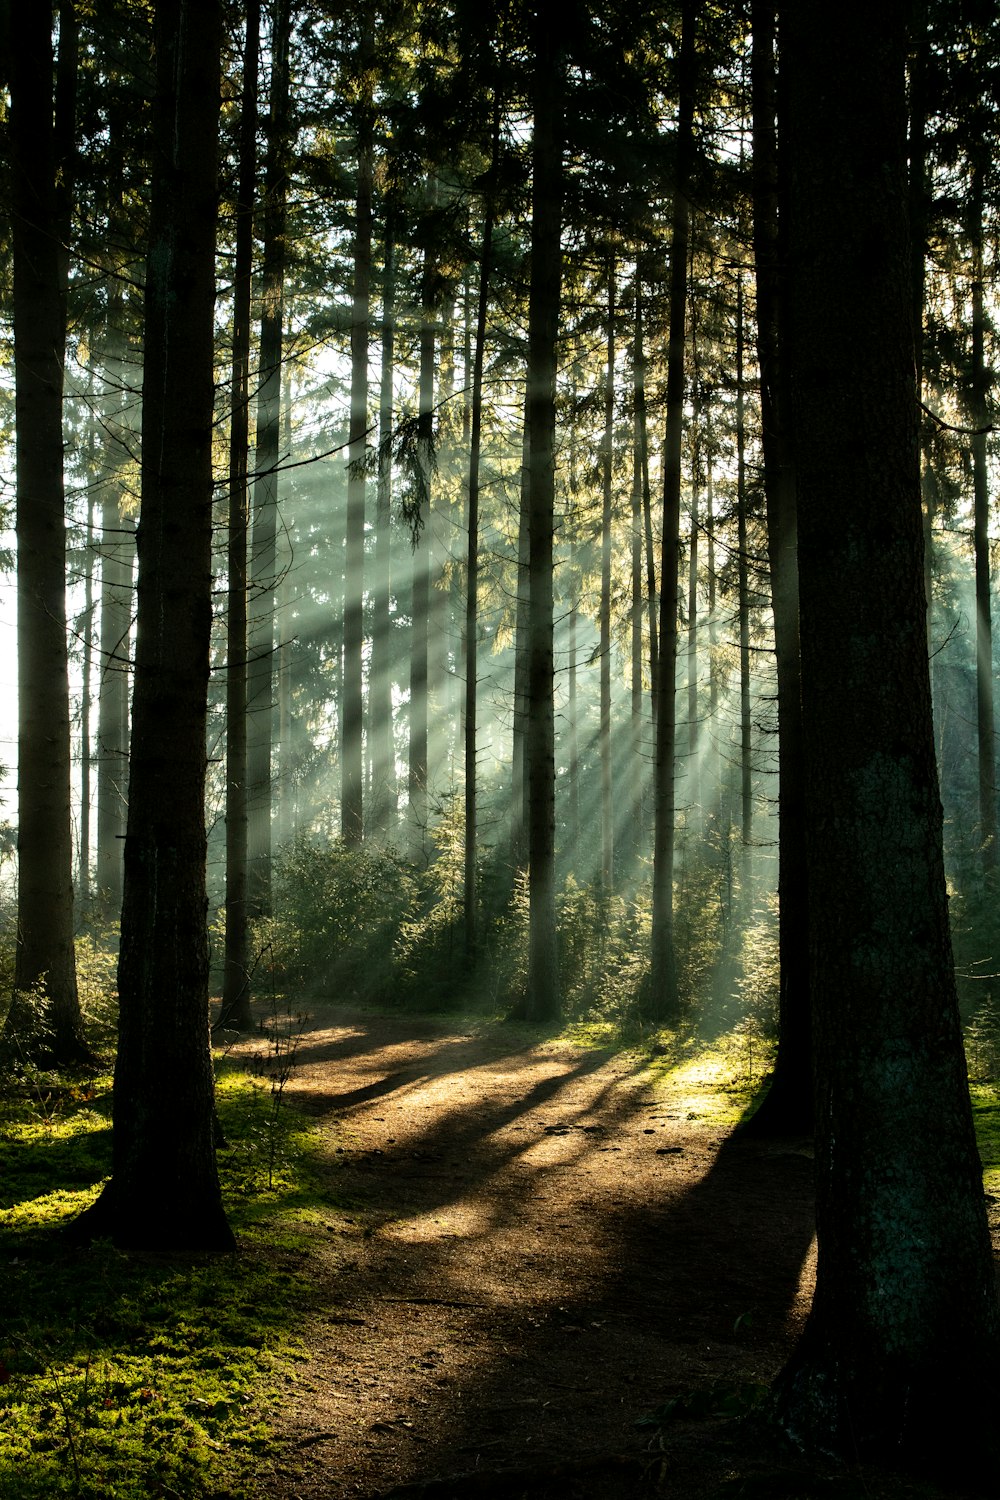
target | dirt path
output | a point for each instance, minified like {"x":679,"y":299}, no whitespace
{"x":542,"y":1243}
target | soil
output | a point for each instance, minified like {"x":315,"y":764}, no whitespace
{"x":541,"y":1245}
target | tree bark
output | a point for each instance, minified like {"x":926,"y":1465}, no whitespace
{"x":607,"y":478}
{"x":421,"y":585}
{"x":693,"y":770}
{"x":384,"y":795}
{"x":637,"y":696}
{"x":905,"y":1285}
{"x":788,"y":1106}
{"x":979,"y":411}
{"x":352,"y":703}
{"x":542,"y":999}
{"x":236,"y":1011}
{"x":45,"y":960}
{"x":743,"y":577}
{"x":519,"y":717}
{"x":471,"y":893}
{"x":663,"y":1001}
{"x":263,"y":544}
{"x":164,"y":1189}
{"x":116,"y":549}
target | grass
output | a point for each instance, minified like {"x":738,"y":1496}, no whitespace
{"x":986,"y":1116}
{"x":124,"y":1375}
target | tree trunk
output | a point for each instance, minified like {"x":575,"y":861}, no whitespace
{"x":743,"y":573}
{"x":519,"y":718}
{"x":663,"y":1003}
{"x":637,"y":698}
{"x":115,"y":628}
{"x":607,"y":475}
{"x":905,"y":1286}
{"x":383,"y":809}
{"x":45,"y":961}
{"x":652,"y":598}
{"x":164,"y":1189}
{"x":919,"y":205}
{"x":471,"y":894}
{"x":979,"y":410}
{"x":236,"y":1010}
{"x":352,"y":703}
{"x":263,"y":548}
{"x":542,"y":999}
{"x":421,"y":587}
{"x":693,"y":773}
{"x":86,"y":694}
{"x":788,"y":1107}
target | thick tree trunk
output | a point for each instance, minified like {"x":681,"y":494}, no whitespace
{"x":164,"y":1190}
{"x":788,"y":1107}
{"x":905,"y":1284}
{"x":45,"y":961}
{"x":263,"y":544}
{"x":352,"y":702}
{"x":662,"y":1001}
{"x":236,"y":1010}
{"x":542,"y":999}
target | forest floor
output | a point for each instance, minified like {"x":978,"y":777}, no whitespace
{"x":530,"y":1247}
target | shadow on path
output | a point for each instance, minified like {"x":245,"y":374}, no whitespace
{"x":544,"y":1249}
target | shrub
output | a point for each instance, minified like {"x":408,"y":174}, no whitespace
{"x":337,"y":914}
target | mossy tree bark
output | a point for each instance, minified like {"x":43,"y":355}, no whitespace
{"x":899,"y":1358}
{"x":164,"y":1189}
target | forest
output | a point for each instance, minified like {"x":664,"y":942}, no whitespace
{"x":499,"y":532}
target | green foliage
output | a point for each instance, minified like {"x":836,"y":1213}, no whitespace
{"x":429,"y":946}
{"x":982,"y":1043}
{"x":125,"y":1376}
{"x":603,"y":942}
{"x":97,"y":984}
{"x":337,"y":915}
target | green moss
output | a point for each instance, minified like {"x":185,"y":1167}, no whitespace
{"x":126,"y":1375}
{"x":986,"y":1116}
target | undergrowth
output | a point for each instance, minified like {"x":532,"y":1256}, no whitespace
{"x":124,"y":1375}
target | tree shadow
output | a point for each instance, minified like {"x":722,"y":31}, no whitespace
{"x":569,"y":1333}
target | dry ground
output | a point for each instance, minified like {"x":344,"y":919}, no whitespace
{"x":542,"y":1243}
